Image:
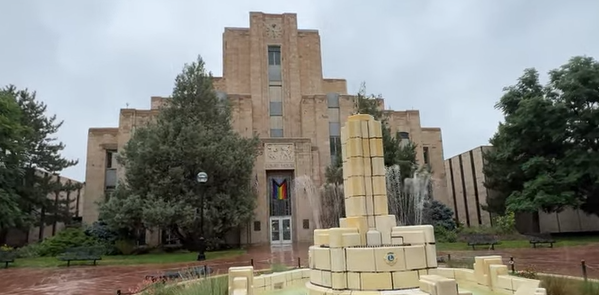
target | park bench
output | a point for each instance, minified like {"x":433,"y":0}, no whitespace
{"x":194,"y":272}
{"x":82,"y":254}
{"x":481,"y":240}
{"x":540,"y":238}
{"x":7,"y":257}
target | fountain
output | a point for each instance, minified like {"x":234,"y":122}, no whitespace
{"x":408,"y":197}
{"x":368,"y":254}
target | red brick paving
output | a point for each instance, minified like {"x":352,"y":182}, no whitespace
{"x":107,"y":280}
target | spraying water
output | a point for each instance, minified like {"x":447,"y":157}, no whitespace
{"x":304,"y":188}
{"x":407,"y":198}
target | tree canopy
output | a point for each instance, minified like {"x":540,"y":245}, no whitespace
{"x":30,"y":158}
{"x":545,"y":154}
{"x":396,"y":153}
{"x":191,"y":134}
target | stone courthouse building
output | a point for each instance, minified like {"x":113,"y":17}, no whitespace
{"x":273,"y":77}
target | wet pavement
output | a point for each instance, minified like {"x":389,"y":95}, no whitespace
{"x":103,"y":280}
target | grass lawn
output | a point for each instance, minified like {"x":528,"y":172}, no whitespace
{"x":160,"y":258}
{"x":561,"y":242}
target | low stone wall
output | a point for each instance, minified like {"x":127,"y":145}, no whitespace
{"x":243,"y":282}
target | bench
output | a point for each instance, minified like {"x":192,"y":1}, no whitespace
{"x":82,"y":254}
{"x":7,"y":257}
{"x":541,"y":238}
{"x":482,"y":240}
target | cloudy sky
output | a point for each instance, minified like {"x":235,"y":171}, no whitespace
{"x":449,"y":59}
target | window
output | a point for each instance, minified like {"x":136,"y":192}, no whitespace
{"x":276,"y":132}
{"x":334,"y":129}
{"x":274,"y":55}
{"x":426,"y":155}
{"x":257,"y":226}
{"x":333,"y":100}
{"x":306,"y":223}
{"x":335,"y":145}
{"x":140,"y":233}
{"x":276,"y":108}
{"x":111,"y":159}
{"x":169,"y":238}
{"x":404,"y":138}
{"x":279,"y":193}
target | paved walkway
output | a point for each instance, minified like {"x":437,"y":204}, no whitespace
{"x":105,"y":280}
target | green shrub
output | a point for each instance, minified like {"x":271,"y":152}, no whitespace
{"x":65,"y":239}
{"x":29,"y":251}
{"x":439,"y":215}
{"x":442,"y":235}
{"x":505,"y":224}
{"x":125,"y":247}
{"x":588,"y":288}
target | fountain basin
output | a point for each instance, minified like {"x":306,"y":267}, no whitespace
{"x":488,"y":277}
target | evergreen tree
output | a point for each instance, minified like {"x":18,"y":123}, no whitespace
{"x":38,"y":157}
{"x":192,"y":133}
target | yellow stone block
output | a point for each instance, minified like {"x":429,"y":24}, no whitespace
{"x":355,"y":206}
{"x":317,"y":233}
{"x":338,"y":260}
{"x":354,"y":147}
{"x":326,"y":279}
{"x":354,"y":129}
{"x":427,"y":229}
{"x":353,"y":281}
{"x":322,"y":258}
{"x":316,"y":276}
{"x":431,"y":255}
{"x":379,"y":185}
{"x":324,"y":238}
{"x":494,"y":272}
{"x":371,"y":223}
{"x":353,"y":187}
{"x":504,"y":282}
{"x":361,"y":223}
{"x":375,"y":129}
{"x":410,"y":237}
{"x":369,"y":205}
{"x":444,"y":272}
{"x":389,"y":259}
{"x":384,"y":223}
{"x":367,"y":167}
{"x":355,"y":166}
{"x":405,"y":279}
{"x":376,"y":147}
{"x":335,"y":237}
{"x":381,"y":205}
{"x":343,"y":222}
{"x":376,"y":281}
{"x":360,"y":259}
{"x":368,"y":190}
{"x":415,"y":257}
{"x":422,"y":272}
{"x":366,"y":147}
{"x":360,"y":117}
{"x":339,"y":280}
{"x":378,"y":166}
{"x":365,"y":131}
{"x":351,"y":240}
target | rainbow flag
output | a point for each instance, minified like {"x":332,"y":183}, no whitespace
{"x":279,"y":190}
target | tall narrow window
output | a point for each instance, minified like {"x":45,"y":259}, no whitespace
{"x":404,"y":138}
{"x":334,"y":126}
{"x":274,"y":55}
{"x":110,"y":177}
{"x":426,"y":155}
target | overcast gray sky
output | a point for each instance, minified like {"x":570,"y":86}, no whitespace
{"x":449,"y":59}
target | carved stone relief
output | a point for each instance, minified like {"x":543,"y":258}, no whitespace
{"x":279,"y":156}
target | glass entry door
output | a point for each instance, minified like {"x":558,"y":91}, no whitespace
{"x":280,"y":230}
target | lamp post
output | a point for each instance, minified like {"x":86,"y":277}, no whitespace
{"x":201,"y":178}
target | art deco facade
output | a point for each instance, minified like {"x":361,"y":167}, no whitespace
{"x":468,"y":195}
{"x":273,"y":77}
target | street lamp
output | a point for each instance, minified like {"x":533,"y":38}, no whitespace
{"x":201,"y":178}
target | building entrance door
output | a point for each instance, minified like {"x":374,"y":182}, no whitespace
{"x":280,"y":230}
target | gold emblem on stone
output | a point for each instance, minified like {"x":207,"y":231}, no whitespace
{"x":390,"y":258}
